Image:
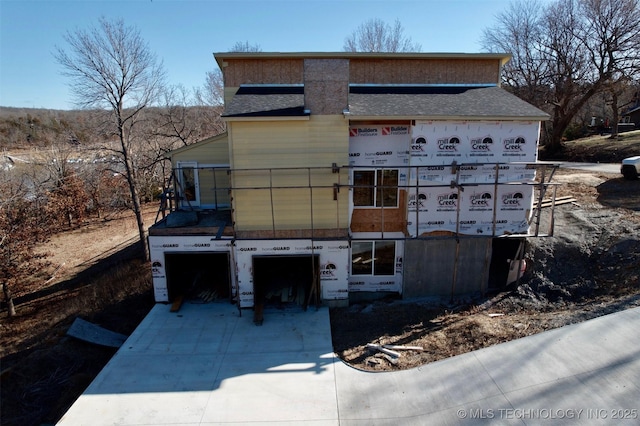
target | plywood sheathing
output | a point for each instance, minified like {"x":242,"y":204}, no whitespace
{"x":424,"y":71}
{"x":264,"y":71}
{"x":367,"y":70}
{"x":326,"y":85}
{"x":371,"y":219}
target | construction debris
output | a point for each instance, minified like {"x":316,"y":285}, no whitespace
{"x":92,"y":333}
{"x":391,"y":359}
{"x":53,"y":274}
{"x":403,"y":348}
{"x":373,"y":360}
{"x":177,"y":303}
{"x":208,"y":295}
{"x":388,"y":352}
{"x":547,"y":202}
{"x":384,"y":350}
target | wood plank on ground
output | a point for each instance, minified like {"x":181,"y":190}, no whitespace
{"x":92,"y":333}
{"x":177,"y":303}
{"x":547,"y":202}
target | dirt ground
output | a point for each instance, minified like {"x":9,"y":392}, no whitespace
{"x":590,"y":267}
{"x":93,"y":275}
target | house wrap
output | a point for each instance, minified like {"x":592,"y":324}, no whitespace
{"x":350,"y":174}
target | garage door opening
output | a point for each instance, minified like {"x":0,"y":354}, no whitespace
{"x":202,"y":277}
{"x":285,"y":280}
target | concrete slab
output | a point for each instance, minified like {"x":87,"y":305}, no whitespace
{"x":208,"y":365}
{"x":560,"y":376}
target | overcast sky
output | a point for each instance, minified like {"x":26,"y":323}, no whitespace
{"x":184,"y":34}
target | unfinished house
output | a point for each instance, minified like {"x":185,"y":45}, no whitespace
{"x":351,"y":174}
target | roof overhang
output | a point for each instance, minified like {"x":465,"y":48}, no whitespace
{"x":631,"y":111}
{"x":266,"y":118}
{"x":222,"y":57}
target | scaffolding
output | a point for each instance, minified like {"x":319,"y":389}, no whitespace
{"x":337,"y":185}
{"x":174,"y":199}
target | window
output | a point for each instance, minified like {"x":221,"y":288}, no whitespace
{"x":373,"y":257}
{"x":375,"y":188}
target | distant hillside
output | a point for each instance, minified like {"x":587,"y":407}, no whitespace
{"x":34,"y":127}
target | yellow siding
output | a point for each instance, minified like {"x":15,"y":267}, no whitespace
{"x":320,"y":141}
{"x":291,"y":209}
{"x":317,"y":143}
{"x":214,"y":184}
{"x":214,"y":150}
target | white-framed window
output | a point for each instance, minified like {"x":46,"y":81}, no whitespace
{"x":373,"y":258}
{"x":204,"y":185}
{"x":375,"y":188}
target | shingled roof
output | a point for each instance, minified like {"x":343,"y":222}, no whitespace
{"x":439,"y":102}
{"x":267,"y":101}
{"x":395,"y":102}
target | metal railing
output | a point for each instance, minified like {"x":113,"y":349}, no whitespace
{"x":174,"y":196}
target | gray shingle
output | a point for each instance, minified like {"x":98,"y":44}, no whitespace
{"x":482,"y":102}
{"x":266,"y":101}
{"x":392,"y":102}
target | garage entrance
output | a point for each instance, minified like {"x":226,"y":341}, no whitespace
{"x":281,"y":280}
{"x":202,"y":276}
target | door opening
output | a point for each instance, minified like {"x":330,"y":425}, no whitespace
{"x":507,"y":265}
{"x":189,"y":184}
{"x":282,"y":280}
{"x":198,"y":276}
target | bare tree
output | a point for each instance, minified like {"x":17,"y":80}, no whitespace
{"x":111,"y":68}
{"x":571,"y":78}
{"x":612,"y":37}
{"x":24,"y":223}
{"x":519,"y":31}
{"x":176,"y":120}
{"x":375,"y":35}
{"x":616,"y":91}
{"x":184,"y":119}
{"x":244,"y":46}
{"x":566,"y":52}
{"x":212,"y":93}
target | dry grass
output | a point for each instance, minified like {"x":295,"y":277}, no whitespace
{"x":43,"y":370}
{"x":601,"y":149}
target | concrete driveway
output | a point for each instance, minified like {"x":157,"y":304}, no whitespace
{"x":208,"y":365}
